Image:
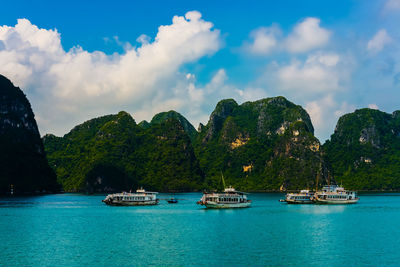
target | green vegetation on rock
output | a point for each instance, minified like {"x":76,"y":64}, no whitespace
{"x":262,"y":145}
{"x":163,"y":116}
{"x":113,"y":153}
{"x":364,"y":151}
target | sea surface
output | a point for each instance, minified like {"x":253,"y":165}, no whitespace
{"x":79,"y":230}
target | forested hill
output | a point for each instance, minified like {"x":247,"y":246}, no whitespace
{"x":163,"y":116}
{"x":113,"y":153}
{"x":23,"y":164}
{"x":364,"y":151}
{"x":263,"y":145}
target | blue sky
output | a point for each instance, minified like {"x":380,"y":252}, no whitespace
{"x":81,"y":59}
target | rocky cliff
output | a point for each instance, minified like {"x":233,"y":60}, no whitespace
{"x":23,"y":162}
{"x":364,"y":151}
{"x":262,"y":145}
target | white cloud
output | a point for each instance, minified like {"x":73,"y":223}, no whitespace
{"x":327,"y":60}
{"x":319,"y":111}
{"x":306,"y":36}
{"x":319,"y":73}
{"x":263,"y":40}
{"x":380,"y":39}
{"x":373,"y":106}
{"x":251,"y":94}
{"x":67,"y":87}
{"x":325,"y":112}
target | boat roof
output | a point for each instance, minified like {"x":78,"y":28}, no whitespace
{"x":227,"y":192}
{"x":135,"y":193}
{"x":141,"y":190}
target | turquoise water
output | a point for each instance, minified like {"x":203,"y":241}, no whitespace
{"x":79,"y":230}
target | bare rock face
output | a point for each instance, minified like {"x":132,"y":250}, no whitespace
{"x":370,"y":135}
{"x":23,"y":164}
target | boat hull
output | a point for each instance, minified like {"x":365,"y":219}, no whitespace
{"x":289,"y":201}
{"x":131,"y":203}
{"x":215,"y":205}
{"x":337,"y":202}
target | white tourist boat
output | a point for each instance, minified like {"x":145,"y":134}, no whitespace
{"x":303,"y":197}
{"x":140,"y":198}
{"x":334,"y":194}
{"x":230,"y":198}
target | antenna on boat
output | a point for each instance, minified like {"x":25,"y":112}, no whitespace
{"x":223,"y":180}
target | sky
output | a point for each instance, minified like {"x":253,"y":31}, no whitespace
{"x":77,"y":60}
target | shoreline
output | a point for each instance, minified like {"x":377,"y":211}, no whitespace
{"x":361,"y":192}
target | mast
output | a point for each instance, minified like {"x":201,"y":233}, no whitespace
{"x":318,"y":174}
{"x":223,"y":180}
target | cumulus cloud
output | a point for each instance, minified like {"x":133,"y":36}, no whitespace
{"x":318,"y":73}
{"x":380,"y":39}
{"x":66,"y":87}
{"x":263,"y":40}
{"x":319,"y":111}
{"x":306,"y":36}
{"x":325,"y":112}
